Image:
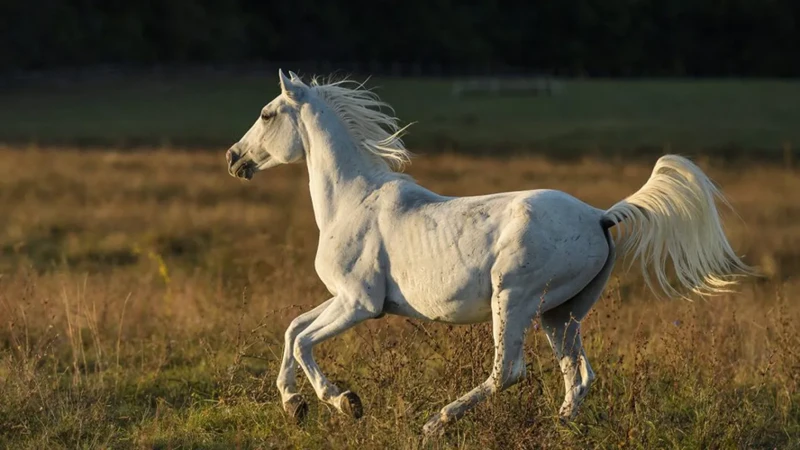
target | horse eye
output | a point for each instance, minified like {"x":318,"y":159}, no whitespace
{"x":267,"y":116}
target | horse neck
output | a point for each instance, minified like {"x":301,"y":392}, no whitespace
{"x":340,"y":174}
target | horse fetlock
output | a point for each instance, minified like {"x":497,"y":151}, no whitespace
{"x":572,"y":402}
{"x":286,"y":388}
{"x":329,"y":394}
{"x":568,"y":410}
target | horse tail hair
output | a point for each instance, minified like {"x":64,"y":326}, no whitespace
{"x":674,"y":214}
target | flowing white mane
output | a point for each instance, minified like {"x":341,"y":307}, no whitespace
{"x":377,"y":132}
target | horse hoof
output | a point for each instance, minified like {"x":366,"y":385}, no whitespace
{"x":434,"y":427}
{"x":351,"y":405}
{"x":567,"y":414}
{"x":297,"y":408}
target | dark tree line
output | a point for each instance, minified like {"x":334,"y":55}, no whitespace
{"x":570,"y":37}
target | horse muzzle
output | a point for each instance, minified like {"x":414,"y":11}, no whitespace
{"x":238,"y":166}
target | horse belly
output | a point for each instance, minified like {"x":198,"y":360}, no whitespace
{"x":459,"y":295}
{"x":439,"y":261}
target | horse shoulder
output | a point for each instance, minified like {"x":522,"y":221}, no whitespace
{"x":348,"y":250}
{"x":355,"y":233}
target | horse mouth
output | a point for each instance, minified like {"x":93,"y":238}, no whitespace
{"x":245,"y":171}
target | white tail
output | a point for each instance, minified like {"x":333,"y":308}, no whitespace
{"x":674,"y":215}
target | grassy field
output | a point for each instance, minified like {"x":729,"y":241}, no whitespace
{"x":596,"y":115}
{"x":143,"y":299}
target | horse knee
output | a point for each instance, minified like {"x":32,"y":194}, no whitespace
{"x":300,"y":347}
{"x":294,"y":328}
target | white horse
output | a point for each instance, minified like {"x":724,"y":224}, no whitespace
{"x":389,"y":246}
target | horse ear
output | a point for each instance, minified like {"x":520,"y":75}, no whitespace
{"x":289,"y":87}
{"x":293,"y":76}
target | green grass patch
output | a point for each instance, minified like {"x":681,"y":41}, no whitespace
{"x":594,"y":115}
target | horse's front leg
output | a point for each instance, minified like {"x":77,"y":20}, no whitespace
{"x":293,"y":403}
{"x":343,"y":312}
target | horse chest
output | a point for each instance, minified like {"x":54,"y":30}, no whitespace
{"x":345,"y":252}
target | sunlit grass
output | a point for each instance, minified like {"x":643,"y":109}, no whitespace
{"x":143,"y":299}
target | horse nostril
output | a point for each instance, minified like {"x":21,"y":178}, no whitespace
{"x":231,"y":156}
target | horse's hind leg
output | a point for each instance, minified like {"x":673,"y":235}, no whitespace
{"x":563,"y":332}
{"x":562,"y":325}
{"x":510,"y":318}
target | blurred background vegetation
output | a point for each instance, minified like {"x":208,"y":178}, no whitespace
{"x":569,"y":37}
{"x":621,"y":75}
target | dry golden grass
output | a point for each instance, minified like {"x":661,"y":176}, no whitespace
{"x":143,"y":299}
